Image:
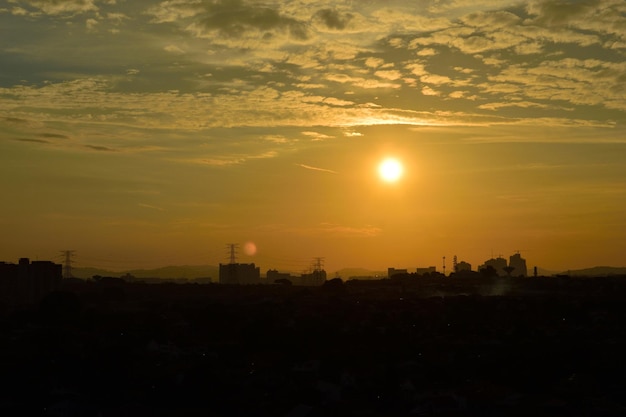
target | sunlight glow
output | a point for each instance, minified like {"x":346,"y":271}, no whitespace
{"x":390,"y":170}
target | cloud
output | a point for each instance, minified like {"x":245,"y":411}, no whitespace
{"x":493,"y":20}
{"x":337,"y":102}
{"x":338,"y":74}
{"x":174,"y":49}
{"x":560,"y":13}
{"x":149,"y":206}
{"x":226,"y":19}
{"x":427,"y":52}
{"x":33,"y":140}
{"x":18,"y":11}
{"x":100,"y":148}
{"x":316,"y":168}
{"x":14,"y":120}
{"x":228,"y":160}
{"x":316,"y":136}
{"x":57,"y":7}
{"x":280,"y":139}
{"x":520,"y":104}
{"x":332,"y":19}
{"x":349,"y":231}
{"x":174,"y":10}
{"x":373,"y":62}
{"x":53,"y":136}
{"x":391,"y":75}
{"x":580,"y":82}
{"x":428,"y":91}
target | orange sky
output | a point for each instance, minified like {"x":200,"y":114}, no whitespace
{"x":153,"y":134}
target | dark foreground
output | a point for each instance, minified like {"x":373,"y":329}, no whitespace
{"x":504,"y":347}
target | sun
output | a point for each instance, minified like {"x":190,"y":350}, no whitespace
{"x":390,"y":170}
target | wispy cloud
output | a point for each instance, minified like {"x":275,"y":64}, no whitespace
{"x":349,"y":231}
{"x":317,"y":169}
{"x":53,"y":136}
{"x":33,"y":140}
{"x":228,"y":160}
{"x":100,"y":148}
{"x":151,"y":207}
{"x":317,"y":135}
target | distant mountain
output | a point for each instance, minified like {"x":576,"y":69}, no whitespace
{"x":597,"y":271}
{"x":168,"y":272}
{"x":88,"y":272}
{"x":347,"y":273}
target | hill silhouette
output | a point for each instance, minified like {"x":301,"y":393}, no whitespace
{"x":597,"y":271}
{"x":167,"y":272}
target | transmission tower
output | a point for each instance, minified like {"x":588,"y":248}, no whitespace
{"x":233,"y":247}
{"x":67,"y":264}
{"x":455,"y":264}
{"x":318,"y":264}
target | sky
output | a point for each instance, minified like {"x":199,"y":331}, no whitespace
{"x":154,"y":133}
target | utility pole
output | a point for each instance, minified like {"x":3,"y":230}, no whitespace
{"x":444,"y":266}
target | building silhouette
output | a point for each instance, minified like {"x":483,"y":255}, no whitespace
{"x":515,"y":268}
{"x":28,"y":282}
{"x":314,"y":278}
{"x":426,"y":271}
{"x":498,"y":264}
{"x":273,"y":275}
{"x":516,"y":261}
{"x":393,"y":271}
{"x":418,"y":271}
{"x":242,"y":274}
{"x":463,"y":266}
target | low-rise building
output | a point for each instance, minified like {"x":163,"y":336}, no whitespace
{"x":242,"y":274}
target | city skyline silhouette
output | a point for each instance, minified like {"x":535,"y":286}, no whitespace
{"x":312,"y":208}
{"x":473,"y":344}
{"x":372,"y":134}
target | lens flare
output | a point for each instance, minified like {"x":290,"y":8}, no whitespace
{"x":249,"y":248}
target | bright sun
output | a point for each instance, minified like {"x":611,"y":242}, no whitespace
{"x":390,"y":170}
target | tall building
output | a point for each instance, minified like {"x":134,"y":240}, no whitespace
{"x":243,"y":274}
{"x":498,"y":264}
{"x":516,"y":261}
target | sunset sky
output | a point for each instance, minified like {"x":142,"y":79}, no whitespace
{"x":150,"y":133}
